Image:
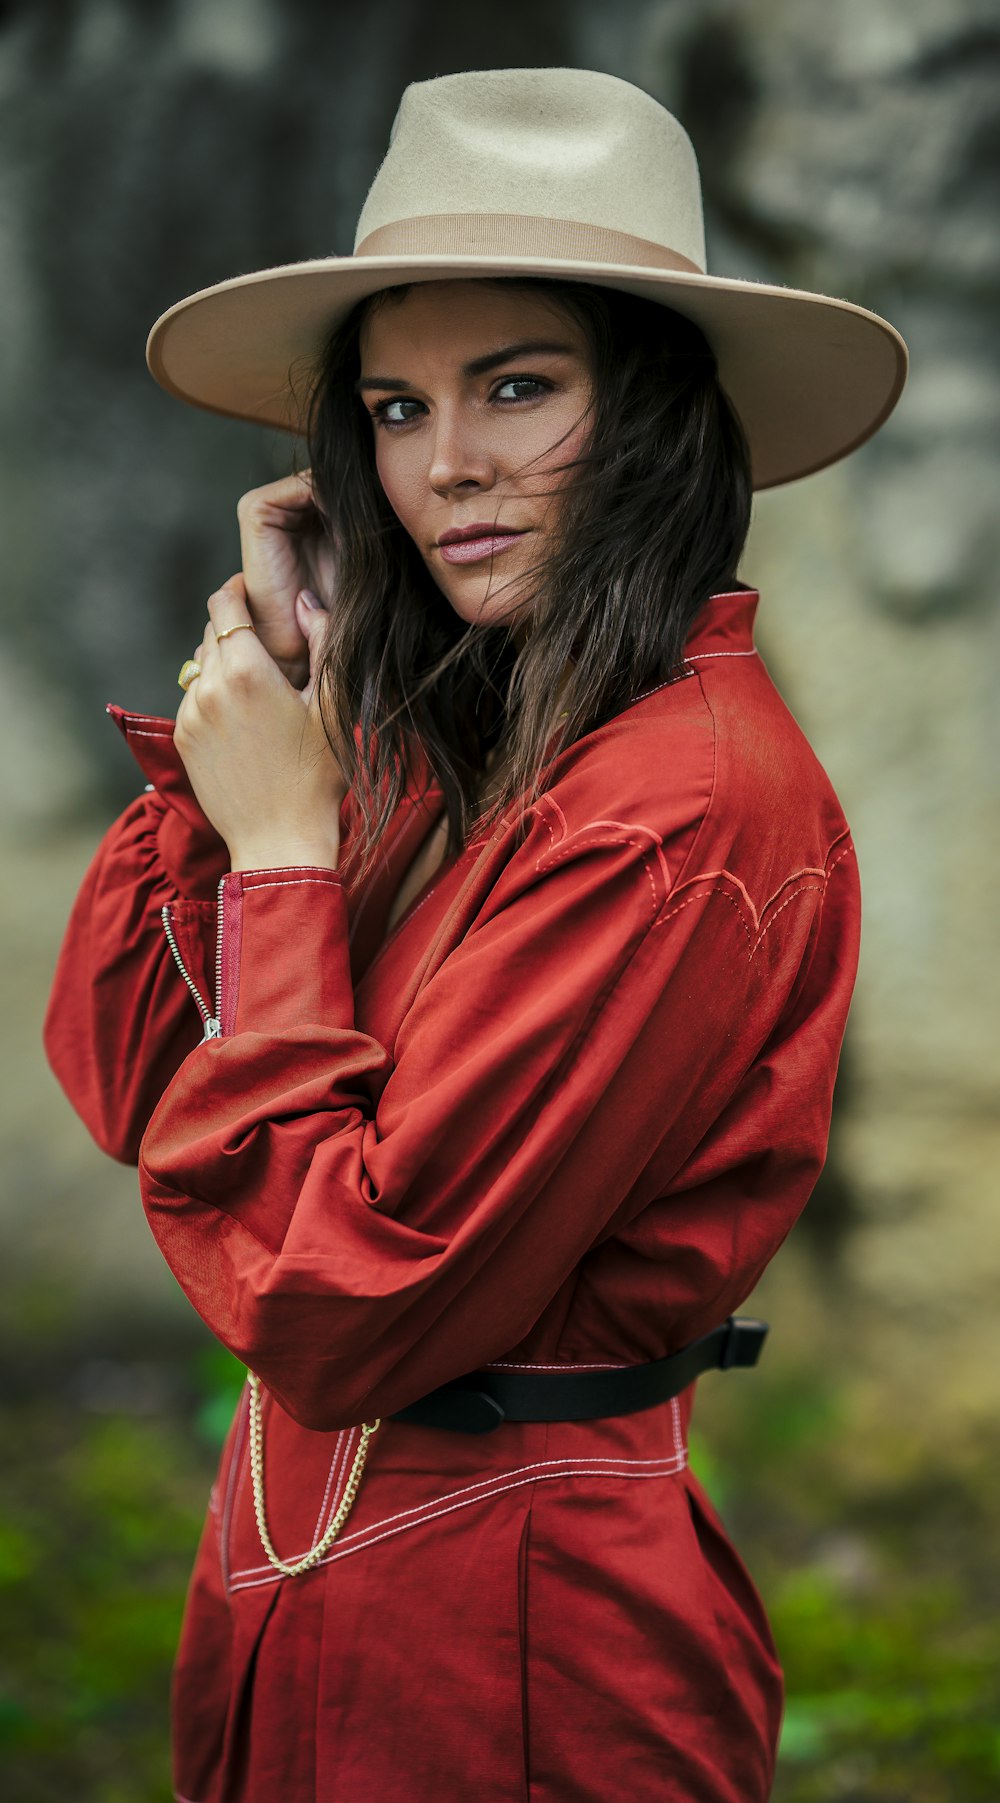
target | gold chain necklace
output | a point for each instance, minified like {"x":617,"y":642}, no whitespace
{"x":257,"y":1473}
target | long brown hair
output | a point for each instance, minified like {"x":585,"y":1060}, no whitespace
{"x":653,"y":521}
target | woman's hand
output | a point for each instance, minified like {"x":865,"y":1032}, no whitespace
{"x":285,"y":549}
{"x":254,"y":746}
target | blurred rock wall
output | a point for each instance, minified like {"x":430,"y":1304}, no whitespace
{"x":151,"y":148}
{"x":853,"y":149}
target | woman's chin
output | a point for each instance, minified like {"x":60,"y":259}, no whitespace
{"x":483,"y":609}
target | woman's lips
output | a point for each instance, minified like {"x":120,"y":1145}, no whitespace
{"x":471,"y":550}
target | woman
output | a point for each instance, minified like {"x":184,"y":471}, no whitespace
{"x":520,"y":924}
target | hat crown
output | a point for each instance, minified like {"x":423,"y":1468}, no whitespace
{"x":566,"y":144}
{"x":559,"y":174}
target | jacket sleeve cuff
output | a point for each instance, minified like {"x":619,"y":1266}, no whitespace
{"x":193,"y":855}
{"x":262,"y":913}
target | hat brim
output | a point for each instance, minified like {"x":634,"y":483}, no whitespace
{"x":811,"y":377}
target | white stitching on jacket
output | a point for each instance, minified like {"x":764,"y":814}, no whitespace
{"x":524,"y":1365}
{"x":687,"y":666}
{"x":697,"y":657}
{"x":227,"y":1513}
{"x":675,"y":1410}
{"x":294,"y":882}
{"x":719,"y":889}
{"x":484,"y":1485}
{"x":571,"y":849}
{"x":473,"y":1493}
{"x":804,"y":889}
{"x":839,"y":860}
{"x":318,"y":1529}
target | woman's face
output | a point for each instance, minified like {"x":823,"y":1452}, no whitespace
{"x":477,"y":396}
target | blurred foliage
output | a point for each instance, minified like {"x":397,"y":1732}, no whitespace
{"x":880,"y":1585}
{"x":882,"y":1595}
{"x":100,"y":1512}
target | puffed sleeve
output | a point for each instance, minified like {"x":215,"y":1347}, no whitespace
{"x":360,"y":1226}
{"x":119,"y":1022}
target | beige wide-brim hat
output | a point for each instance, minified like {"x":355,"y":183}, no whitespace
{"x":544,"y":172}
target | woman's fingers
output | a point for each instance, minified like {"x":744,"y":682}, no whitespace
{"x":313,"y":619}
{"x":281,"y":531}
{"x":294,"y":491}
{"x":322,"y":563}
{"x":198,"y":656}
{"x":277,"y":512}
{"x":253,"y":748}
{"x":228,"y":606}
{"x":230,"y":645}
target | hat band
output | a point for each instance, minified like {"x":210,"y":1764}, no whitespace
{"x":518,"y":235}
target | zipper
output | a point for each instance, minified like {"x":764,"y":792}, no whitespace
{"x":218,"y":962}
{"x":212,"y":1022}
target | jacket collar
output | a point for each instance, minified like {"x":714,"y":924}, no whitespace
{"x":150,"y":739}
{"x":725,"y":623}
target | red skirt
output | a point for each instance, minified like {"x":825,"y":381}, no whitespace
{"x":543,"y":1613}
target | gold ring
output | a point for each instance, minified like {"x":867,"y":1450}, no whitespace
{"x":241,"y":626}
{"x":189,"y":669}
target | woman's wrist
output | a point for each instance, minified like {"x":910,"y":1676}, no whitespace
{"x":283,"y":854}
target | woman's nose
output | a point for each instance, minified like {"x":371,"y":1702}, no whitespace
{"x":459,"y":458}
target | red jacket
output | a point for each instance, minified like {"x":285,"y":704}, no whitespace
{"x":564,"y":1114}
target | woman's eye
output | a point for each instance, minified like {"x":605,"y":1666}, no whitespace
{"x":529,"y":387}
{"x":384,"y":412}
{"x":391,"y":412}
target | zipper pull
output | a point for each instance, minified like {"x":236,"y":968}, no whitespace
{"x":213,"y":1028}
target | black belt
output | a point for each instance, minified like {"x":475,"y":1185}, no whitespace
{"x":481,"y":1400}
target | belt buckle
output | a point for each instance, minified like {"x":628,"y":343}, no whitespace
{"x":744,"y":1339}
{"x":463,"y":1408}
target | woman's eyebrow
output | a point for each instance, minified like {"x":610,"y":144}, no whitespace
{"x":480,"y":366}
